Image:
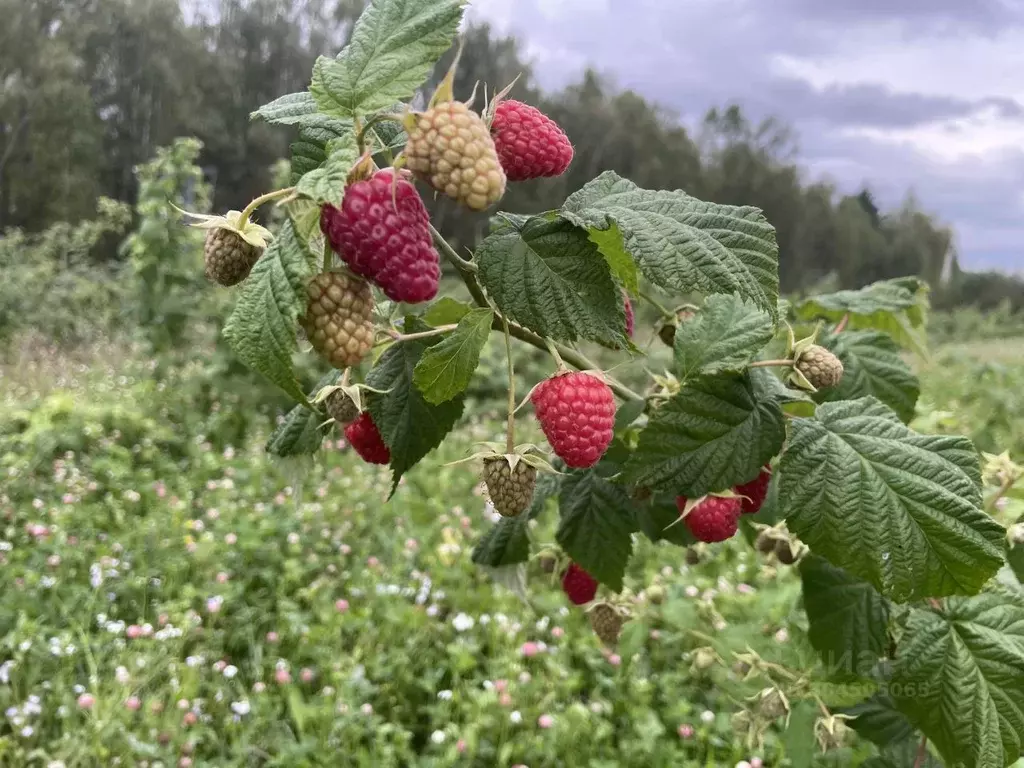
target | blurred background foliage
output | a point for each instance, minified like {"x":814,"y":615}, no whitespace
{"x":92,"y":89}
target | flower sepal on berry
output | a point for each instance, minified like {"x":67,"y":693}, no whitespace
{"x":664,"y":387}
{"x":778,"y":541}
{"x":528,"y":453}
{"x":832,"y":732}
{"x":232,"y":221}
{"x":812,"y":367}
{"x":344,"y":398}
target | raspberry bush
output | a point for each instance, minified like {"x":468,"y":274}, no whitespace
{"x":795,"y":414}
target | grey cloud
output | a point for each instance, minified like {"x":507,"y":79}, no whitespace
{"x":690,"y":55}
{"x":868,"y":105}
{"x":919,"y":16}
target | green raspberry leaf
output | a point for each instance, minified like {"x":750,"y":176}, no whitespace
{"x":446,"y":369}
{"x":261,"y":329}
{"x":299,"y":434}
{"x":310,"y":151}
{"x":326,"y":184}
{"x":877,"y":720}
{"x":305,"y":218}
{"x":959,"y":677}
{"x":295,"y":109}
{"x":896,"y":307}
{"x":1015,"y":558}
{"x":717,"y":431}
{"x":446,"y":311}
{"x":394,"y":46}
{"x":725,"y":335}
{"x":798,"y":737}
{"x":896,"y":508}
{"x":596,"y":525}
{"x":611,"y":245}
{"x":410,"y":426}
{"x":658,"y":520}
{"x":548,"y":486}
{"x":871,"y":366}
{"x":303,"y":430}
{"x":902,"y":755}
{"x":315,"y":129}
{"x":628,"y":412}
{"x":681,"y":243}
{"x":849,"y":620}
{"x":548,"y":277}
{"x":507,"y":543}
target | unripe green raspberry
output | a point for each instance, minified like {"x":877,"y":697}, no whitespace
{"x":667,"y":332}
{"x":820,"y":367}
{"x":511,"y":490}
{"x":548,"y":560}
{"x":451,"y":149}
{"x":228,"y":258}
{"x":341,"y":408}
{"x":772,"y":704}
{"x":338,"y":319}
{"x":785,"y":552}
{"x":606,"y":621}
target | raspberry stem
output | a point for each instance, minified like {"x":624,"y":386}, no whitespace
{"x":250,"y":209}
{"x":554,"y":353}
{"x":461,"y":263}
{"x":510,"y":435}
{"x":842,"y":323}
{"x":467,"y":271}
{"x":772,"y":364}
{"x":1004,"y":488}
{"x":656,"y":304}
{"x":922,"y":752}
{"x":396,"y":336}
{"x":362,"y":130}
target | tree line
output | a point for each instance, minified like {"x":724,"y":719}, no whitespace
{"x":91,"y":88}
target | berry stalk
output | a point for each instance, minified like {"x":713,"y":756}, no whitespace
{"x":250,"y":209}
{"x":666,"y":313}
{"x":363,"y":129}
{"x":467,"y":271}
{"x":441,"y":329}
{"x":554,"y":353}
{"x":772,"y":364}
{"x":510,"y":434}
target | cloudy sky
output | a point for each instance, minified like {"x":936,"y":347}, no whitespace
{"x":897,"y":94}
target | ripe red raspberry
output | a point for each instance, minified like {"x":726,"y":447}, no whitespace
{"x":755,"y":491}
{"x":579,"y":586}
{"x":388,"y":245}
{"x":530,"y":144}
{"x":630,"y":318}
{"x":714,"y":519}
{"x":363,"y":435}
{"x":577,"y":413}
